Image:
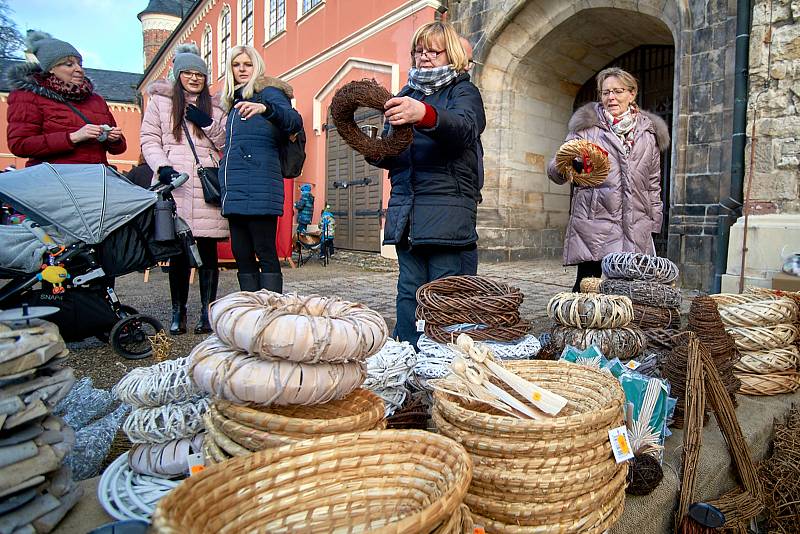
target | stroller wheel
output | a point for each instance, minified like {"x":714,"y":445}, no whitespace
{"x":129,"y":337}
{"x":125,"y":311}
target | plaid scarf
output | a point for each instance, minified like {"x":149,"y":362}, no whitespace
{"x":67,"y":90}
{"x":624,"y":126}
{"x":431,"y":80}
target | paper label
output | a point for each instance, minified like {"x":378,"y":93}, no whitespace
{"x":478,"y":529}
{"x":196,"y":463}
{"x":420,"y":325}
{"x":620,"y":444}
{"x":633,"y":364}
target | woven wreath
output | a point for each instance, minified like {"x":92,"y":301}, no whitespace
{"x":301,"y":329}
{"x":623,"y":343}
{"x":176,"y":420}
{"x":582,"y":310}
{"x":169,"y":459}
{"x":637,"y":266}
{"x":643,"y":292}
{"x":769,"y":361}
{"x":767,"y":312}
{"x":594,"y":158}
{"x":763,"y":337}
{"x":770,"y":384}
{"x":591,"y":284}
{"x":235,"y":376}
{"x":156,"y":385}
{"x":367,"y":94}
{"x":652,"y":317}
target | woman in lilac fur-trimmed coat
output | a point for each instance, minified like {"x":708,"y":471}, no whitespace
{"x":622,"y":213}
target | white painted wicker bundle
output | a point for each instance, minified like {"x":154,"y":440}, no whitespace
{"x":767,"y":312}
{"x":763,"y":337}
{"x":590,"y":310}
{"x":234,"y":376}
{"x":176,"y":420}
{"x":769,"y":361}
{"x":125,"y":494}
{"x":168,"y":460}
{"x":637,"y":266}
{"x":388,"y":371}
{"x":302,"y":329}
{"x":159,"y":384}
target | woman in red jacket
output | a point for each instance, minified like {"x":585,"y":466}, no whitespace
{"x":54,"y":115}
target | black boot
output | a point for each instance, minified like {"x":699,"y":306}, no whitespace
{"x":248,"y":281}
{"x":209,"y":280}
{"x":179,"y":294}
{"x":271,"y":281}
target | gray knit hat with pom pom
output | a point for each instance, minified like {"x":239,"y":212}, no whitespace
{"x":187,"y":57}
{"x":49,"y":51}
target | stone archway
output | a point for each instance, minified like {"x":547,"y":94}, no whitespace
{"x":532,"y":63}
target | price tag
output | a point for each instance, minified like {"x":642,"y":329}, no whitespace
{"x":196,"y":463}
{"x":420,"y":325}
{"x":620,"y":444}
{"x":478,"y":529}
{"x":633,"y":365}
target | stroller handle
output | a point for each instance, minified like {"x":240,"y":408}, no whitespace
{"x":177,"y":181}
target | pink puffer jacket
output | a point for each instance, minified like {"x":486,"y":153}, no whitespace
{"x":620,"y":214}
{"x":160,"y":149}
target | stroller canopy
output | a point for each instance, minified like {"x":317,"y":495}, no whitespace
{"x":87,"y":202}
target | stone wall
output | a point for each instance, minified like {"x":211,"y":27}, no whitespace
{"x":775,"y":106}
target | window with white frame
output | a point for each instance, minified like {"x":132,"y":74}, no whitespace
{"x":308,"y":5}
{"x":276,"y":18}
{"x":224,"y":38}
{"x":246,"y":19}
{"x":206,"y":49}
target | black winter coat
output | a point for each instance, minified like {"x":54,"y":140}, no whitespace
{"x":250,"y":176}
{"x":435,"y":181}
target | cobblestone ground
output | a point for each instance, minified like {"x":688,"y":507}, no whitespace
{"x":366,"y":278}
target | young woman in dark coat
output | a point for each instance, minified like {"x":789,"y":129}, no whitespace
{"x":260,"y":118}
{"x":433,"y":202}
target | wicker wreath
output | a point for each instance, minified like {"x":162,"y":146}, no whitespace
{"x":172,"y":421}
{"x":623,"y":343}
{"x":367,"y":94}
{"x":582,"y":310}
{"x":661,"y":338}
{"x":763,"y":337}
{"x":168,"y":459}
{"x":595,"y":162}
{"x":591,"y":284}
{"x":637,"y":266}
{"x":643,"y":292}
{"x":231,"y":375}
{"x":759,"y":313}
{"x":300,"y":329}
{"x":156,"y":385}
{"x":729,"y":299}
{"x":769,"y":361}
{"x":652,"y":317}
{"x":771,"y":384}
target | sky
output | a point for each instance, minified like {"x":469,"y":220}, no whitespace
{"x":106,"y":32}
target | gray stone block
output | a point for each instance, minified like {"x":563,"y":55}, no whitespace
{"x":708,"y":66}
{"x":702,"y":188}
{"x":700,"y":97}
{"x":705,"y":128}
{"x":702,"y":40}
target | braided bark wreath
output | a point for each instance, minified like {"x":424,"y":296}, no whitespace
{"x":594,"y":158}
{"x":367,"y":94}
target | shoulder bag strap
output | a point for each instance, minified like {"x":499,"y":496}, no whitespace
{"x":191,"y":144}
{"x":78,"y":112}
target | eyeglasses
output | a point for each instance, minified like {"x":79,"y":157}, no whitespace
{"x":430,"y":54}
{"x":191,"y":75}
{"x":616,"y":91}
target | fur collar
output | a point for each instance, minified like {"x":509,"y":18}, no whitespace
{"x":164,"y":88}
{"x":22,"y":77}
{"x":588,"y":116}
{"x":270,"y":81}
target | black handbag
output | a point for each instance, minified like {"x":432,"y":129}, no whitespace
{"x":209,"y":176}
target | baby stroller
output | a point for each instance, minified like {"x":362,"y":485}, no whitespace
{"x":85,"y":224}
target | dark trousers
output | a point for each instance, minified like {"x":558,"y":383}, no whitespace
{"x":469,"y":262}
{"x":179,"y":268}
{"x":253,"y":243}
{"x":587,"y":269}
{"x":327,"y":248}
{"x":418,"y":266}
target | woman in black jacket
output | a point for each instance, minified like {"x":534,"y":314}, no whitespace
{"x":433,"y":203}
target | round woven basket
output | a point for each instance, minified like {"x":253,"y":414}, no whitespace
{"x":380,"y":481}
{"x":769,"y":361}
{"x":623,"y":343}
{"x":763,"y":337}
{"x":769,"y":384}
{"x":643,"y":292}
{"x":594,"y":158}
{"x":768,"y":312}
{"x":637,"y":266}
{"x":301,"y":329}
{"x":231,"y":375}
{"x":581,"y":310}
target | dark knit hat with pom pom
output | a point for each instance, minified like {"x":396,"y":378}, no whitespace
{"x":187,"y":57}
{"x":49,"y":51}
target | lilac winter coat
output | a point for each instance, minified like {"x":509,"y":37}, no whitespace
{"x":620,"y":214}
{"x":160,"y":149}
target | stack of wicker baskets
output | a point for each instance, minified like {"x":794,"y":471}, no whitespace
{"x":763,"y":326}
{"x":284,"y":368}
{"x":584,"y":319}
{"x":548,"y":475}
{"x":380,"y":481}
{"x":648,"y":282}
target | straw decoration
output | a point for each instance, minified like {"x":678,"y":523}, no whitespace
{"x":591,"y":285}
{"x":581,"y":310}
{"x":643,"y":292}
{"x":623,"y":343}
{"x":637,"y":266}
{"x":594,"y":158}
{"x":367,"y":94}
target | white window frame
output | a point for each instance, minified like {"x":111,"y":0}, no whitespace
{"x":240,"y":22}
{"x":207,"y":50}
{"x":223,"y":47}
{"x":279,"y":20}
{"x":302,"y":13}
